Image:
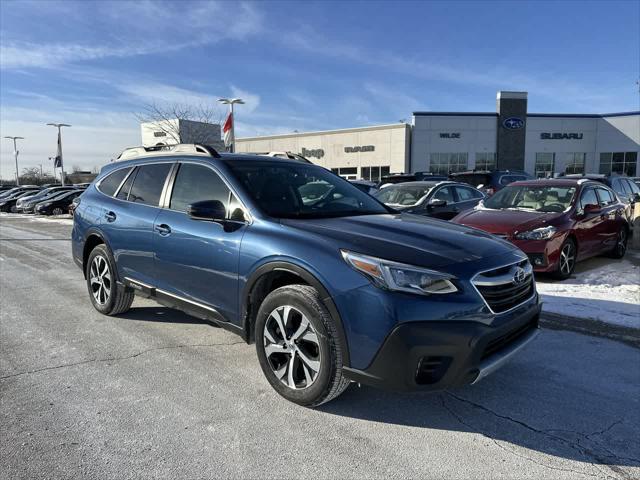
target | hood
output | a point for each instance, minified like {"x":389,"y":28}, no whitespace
{"x":406,"y":238}
{"x":506,"y":221}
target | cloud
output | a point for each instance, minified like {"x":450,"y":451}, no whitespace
{"x":129,"y":29}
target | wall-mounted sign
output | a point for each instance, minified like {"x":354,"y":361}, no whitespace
{"x":561,"y":136}
{"x":513,"y":123}
{"x":450,"y":135}
{"x":363,"y":148}
{"x":159,"y":134}
{"x":316,"y":152}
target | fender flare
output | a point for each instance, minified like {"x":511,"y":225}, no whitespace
{"x":327,"y":300}
{"x":93,"y":232}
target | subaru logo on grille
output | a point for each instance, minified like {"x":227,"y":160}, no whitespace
{"x":519,"y":275}
{"x":513,"y":123}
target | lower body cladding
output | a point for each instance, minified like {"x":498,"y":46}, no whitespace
{"x":434,"y":355}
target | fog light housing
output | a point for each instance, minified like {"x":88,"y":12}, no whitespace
{"x":537,"y":259}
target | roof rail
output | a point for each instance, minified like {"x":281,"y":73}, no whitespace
{"x":182,"y":148}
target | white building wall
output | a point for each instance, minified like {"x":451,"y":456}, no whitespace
{"x":477,"y":134}
{"x":390,"y":142}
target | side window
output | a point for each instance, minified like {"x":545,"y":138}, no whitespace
{"x":588,"y":197}
{"x":605,"y":196}
{"x":109,"y":184}
{"x":633,"y":186}
{"x":148,"y":184}
{"x":195,"y":183}
{"x":466,"y":194}
{"x":617,"y":187}
{"x":123,"y":193}
{"x":444,"y":193}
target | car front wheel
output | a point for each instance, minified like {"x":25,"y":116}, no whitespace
{"x":567,"y":261}
{"x":620,"y":248}
{"x":297,"y":346}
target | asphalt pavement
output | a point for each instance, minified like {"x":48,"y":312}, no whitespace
{"x":155,"y":393}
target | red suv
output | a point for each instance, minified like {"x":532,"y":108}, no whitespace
{"x":556,"y":222}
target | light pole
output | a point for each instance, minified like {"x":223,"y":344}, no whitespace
{"x":231,"y":102}
{"x":15,"y":153}
{"x":59,"y":155}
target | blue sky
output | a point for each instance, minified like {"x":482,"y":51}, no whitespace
{"x":299,"y":65}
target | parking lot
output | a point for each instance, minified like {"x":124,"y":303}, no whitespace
{"x":156,"y":393}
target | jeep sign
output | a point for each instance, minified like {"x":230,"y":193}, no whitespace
{"x":316,"y":153}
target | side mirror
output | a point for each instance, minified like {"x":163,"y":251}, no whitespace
{"x":434,"y":202}
{"x":591,"y":208}
{"x":636,"y":197}
{"x":211,"y":210}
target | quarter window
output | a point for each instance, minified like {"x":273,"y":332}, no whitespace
{"x":123,"y":193}
{"x":109,"y":184}
{"x":196,"y":183}
{"x":148,"y":184}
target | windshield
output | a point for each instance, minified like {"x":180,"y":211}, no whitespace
{"x":405,"y":195}
{"x":290,"y":190}
{"x":535,"y":198}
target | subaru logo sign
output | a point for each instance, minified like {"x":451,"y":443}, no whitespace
{"x":513,"y":123}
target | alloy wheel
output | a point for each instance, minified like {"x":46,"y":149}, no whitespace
{"x":100,"y":279}
{"x":621,"y":245}
{"x":567,"y":259}
{"x":292,"y":348}
{"x":57,"y":211}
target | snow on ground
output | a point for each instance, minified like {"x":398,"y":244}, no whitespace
{"x":601,"y":288}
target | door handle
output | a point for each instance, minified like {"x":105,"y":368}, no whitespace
{"x":163,"y":229}
{"x":110,"y":216}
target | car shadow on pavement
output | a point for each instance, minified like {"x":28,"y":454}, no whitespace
{"x":161,"y":315}
{"x":553,"y":409}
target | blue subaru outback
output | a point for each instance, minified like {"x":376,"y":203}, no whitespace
{"x":333,"y":288}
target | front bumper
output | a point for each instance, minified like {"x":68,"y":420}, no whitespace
{"x":434,"y":355}
{"x":544,"y":255}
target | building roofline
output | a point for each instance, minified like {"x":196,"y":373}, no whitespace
{"x":326,"y":132}
{"x":492,"y":114}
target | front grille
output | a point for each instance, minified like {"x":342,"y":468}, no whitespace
{"x":504,"y":340}
{"x":502,"y":289}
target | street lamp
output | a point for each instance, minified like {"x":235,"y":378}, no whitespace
{"x":15,"y":153}
{"x":59,"y":155}
{"x":231,"y":102}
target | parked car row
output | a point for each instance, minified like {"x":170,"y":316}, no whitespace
{"x":556,"y":222}
{"x":49,"y":200}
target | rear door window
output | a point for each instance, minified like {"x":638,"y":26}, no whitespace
{"x":444,"y":193}
{"x":109,"y":184}
{"x":618,"y":188}
{"x":605,"y":196}
{"x":148,"y":184}
{"x":465,"y":194}
{"x":123,"y":193}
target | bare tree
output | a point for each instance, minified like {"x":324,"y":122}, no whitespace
{"x":166,"y":117}
{"x":32,"y":176}
{"x":75,"y":168}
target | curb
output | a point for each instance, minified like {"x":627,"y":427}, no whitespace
{"x":595,"y":328}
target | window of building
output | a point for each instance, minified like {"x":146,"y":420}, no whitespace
{"x":350,"y":173}
{"x":545,"y":163}
{"x":446,"y":163}
{"x":373,"y":173}
{"x":110,"y":183}
{"x":148,"y":184}
{"x":485,"y":161}
{"x":196,"y":183}
{"x":575,"y":163}
{"x":618,"y":162}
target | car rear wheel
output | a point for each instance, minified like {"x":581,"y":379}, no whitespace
{"x":567,"y":261}
{"x":104,"y":292}
{"x":57,"y":211}
{"x":620,"y":248}
{"x":297,"y":346}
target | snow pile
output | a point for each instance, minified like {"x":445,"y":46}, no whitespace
{"x":602,"y":289}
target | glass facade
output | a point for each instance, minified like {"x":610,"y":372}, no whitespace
{"x":445,"y":163}
{"x":485,"y":161}
{"x":350,"y":173}
{"x":373,"y":173}
{"x":618,"y":162}
{"x":575,"y":163}
{"x":545,"y":163}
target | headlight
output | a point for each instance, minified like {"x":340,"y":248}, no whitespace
{"x":543,"y":233}
{"x":400,"y":277}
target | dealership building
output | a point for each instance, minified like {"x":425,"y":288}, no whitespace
{"x":511,"y":138}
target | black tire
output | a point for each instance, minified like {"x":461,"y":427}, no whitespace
{"x":569,"y":250}
{"x":620,"y":248}
{"x":118,"y":299}
{"x":325,"y":347}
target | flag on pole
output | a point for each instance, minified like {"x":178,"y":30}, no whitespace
{"x":228,"y":130}
{"x":57,"y":162}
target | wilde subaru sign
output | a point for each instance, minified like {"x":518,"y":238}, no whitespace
{"x":561,"y":136}
{"x":513,"y":123}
